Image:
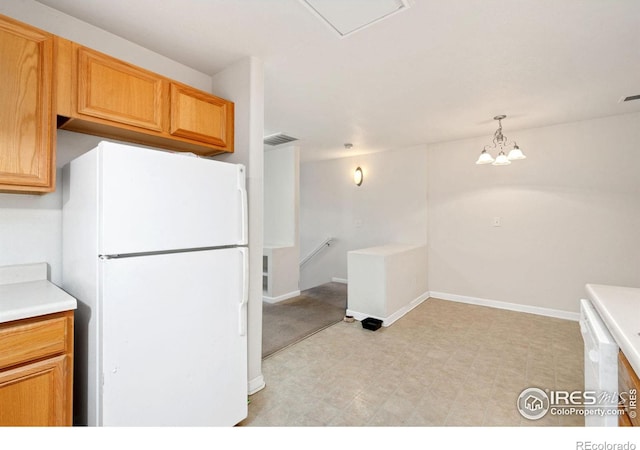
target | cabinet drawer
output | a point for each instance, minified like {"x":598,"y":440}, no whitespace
{"x":32,"y":339}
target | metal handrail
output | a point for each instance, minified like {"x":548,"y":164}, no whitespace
{"x":326,"y":243}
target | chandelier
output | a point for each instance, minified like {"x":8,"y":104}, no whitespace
{"x":500,"y":142}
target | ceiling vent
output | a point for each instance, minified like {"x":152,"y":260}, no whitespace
{"x":346,"y":17}
{"x":630,"y":98}
{"x":278,"y":138}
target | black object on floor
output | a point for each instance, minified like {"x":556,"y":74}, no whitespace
{"x":371,"y":324}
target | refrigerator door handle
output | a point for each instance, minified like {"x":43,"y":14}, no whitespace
{"x":244,"y":299}
{"x":242,"y":189}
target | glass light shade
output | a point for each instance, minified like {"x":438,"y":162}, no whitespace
{"x":358,"y":177}
{"x":516,"y":154}
{"x":485,"y":158}
{"x":502,"y":160}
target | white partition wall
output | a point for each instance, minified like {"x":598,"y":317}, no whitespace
{"x":281,"y":254}
{"x":387,"y":281}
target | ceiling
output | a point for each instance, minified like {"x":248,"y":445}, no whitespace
{"x":437,"y":71}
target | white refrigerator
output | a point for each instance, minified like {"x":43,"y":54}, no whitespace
{"x":154,"y":250}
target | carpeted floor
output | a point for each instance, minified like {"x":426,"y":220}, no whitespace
{"x":288,"y":322}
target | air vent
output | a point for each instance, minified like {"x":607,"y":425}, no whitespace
{"x":631,"y":97}
{"x":278,"y":138}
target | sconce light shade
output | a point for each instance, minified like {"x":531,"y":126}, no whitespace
{"x":358,"y":177}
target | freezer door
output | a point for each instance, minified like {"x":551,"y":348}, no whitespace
{"x":174,"y":348}
{"x":152,"y":200}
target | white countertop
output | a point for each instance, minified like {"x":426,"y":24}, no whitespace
{"x":619,"y":308}
{"x":25,"y":292}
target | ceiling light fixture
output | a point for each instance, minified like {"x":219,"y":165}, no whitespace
{"x":500,"y":142}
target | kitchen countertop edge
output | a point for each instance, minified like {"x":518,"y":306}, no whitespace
{"x":32,"y":299}
{"x":614,"y":309}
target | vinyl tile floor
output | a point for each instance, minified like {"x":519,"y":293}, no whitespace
{"x":442,"y":364}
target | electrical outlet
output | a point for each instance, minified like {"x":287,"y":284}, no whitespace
{"x":497,"y":222}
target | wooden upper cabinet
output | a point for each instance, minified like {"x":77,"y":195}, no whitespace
{"x":201,"y":117}
{"x":113,"y":90}
{"x":27,"y":137}
{"x":101,"y":95}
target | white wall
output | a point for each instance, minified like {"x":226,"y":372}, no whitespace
{"x":386,"y":282}
{"x":281,"y":221}
{"x":281,"y":166}
{"x":243,"y":83}
{"x":31,"y":230}
{"x":31,"y":225}
{"x":570,"y":214}
{"x":389,"y":207}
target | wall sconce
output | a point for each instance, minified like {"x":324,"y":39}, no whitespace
{"x":358,"y":176}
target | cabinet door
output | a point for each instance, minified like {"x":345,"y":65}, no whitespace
{"x":34,"y":394}
{"x":26,"y":112}
{"x":201,"y":117}
{"x":116,"y":91}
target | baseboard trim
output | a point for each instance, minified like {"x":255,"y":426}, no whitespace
{"x":257,"y":384}
{"x":280,"y":298}
{"x":339,"y":280}
{"x":548,"y":312}
{"x":386,"y":321}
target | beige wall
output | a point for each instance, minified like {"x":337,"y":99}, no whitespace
{"x":389,"y":207}
{"x":570,"y":214}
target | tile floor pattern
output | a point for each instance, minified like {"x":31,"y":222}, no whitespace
{"x":442,"y":364}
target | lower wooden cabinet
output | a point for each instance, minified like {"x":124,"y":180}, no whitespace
{"x":36,"y":371}
{"x":628,"y":385}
